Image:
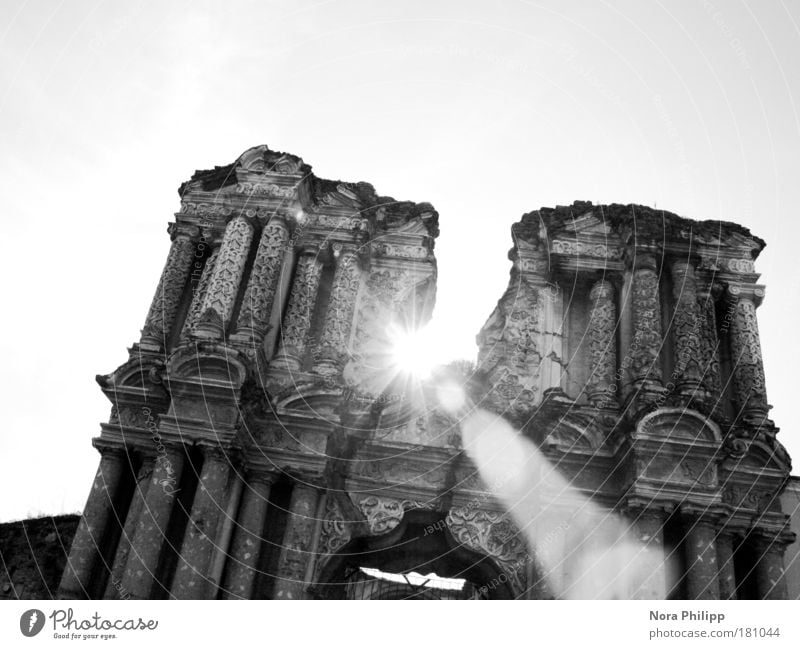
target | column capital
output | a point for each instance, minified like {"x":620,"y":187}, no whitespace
{"x":183,"y":230}
{"x":742,"y":291}
{"x":602,"y":289}
{"x":108,"y":447}
{"x":642,"y":257}
{"x":267,"y":478}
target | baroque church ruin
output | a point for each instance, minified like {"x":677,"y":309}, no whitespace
{"x":262,"y":442}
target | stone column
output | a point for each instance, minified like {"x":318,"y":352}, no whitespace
{"x":200,"y":291}
{"x":702,"y":581}
{"x":114,"y":585}
{"x":219,"y":300}
{"x":648,"y":529}
{"x":552,"y":336}
{"x":645,"y":347}
{"x":256,"y":308}
{"x":164,"y":307}
{"x":709,"y":345}
{"x":296,"y":547}
{"x":332,"y":350}
{"x":686,"y":328}
{"x":192,"y":573}
{"x":602,"y":385}
{"x":770,"y":579}
{"x":148,"y":539}
{"x":297,"y":322}
{"x":240,"y":575}
{"x":727,"y":577}
{"x":86,"y":550}
{"x":748,"y":369}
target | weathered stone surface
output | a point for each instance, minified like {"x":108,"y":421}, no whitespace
{"x":604,"y":353}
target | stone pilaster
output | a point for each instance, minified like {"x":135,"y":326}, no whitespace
{"x":648,"y":529}
{"x":552,"y":337}
{"x":602,"y":386}
{"x":200,"y":291}
{"x":709,"y":345}
{"x":86,"y":550}
{"x":702,"y":580}
{"x":302,"y":299}
{"x":645,"y":348}
{"x":748,"y":369}
{"x":148,"y":541}
{"x":240,"y":575}
{"x":770,"y":579}
{"x":727,"y":576}
{"x":686,"y":329}
{"x":332,"y":350}
{"x":219,"y":300}
{"x":114,"y":585}
{"x":208,"y":508}
{"x":256,"y":308}
{"x":164,"y":307}
{"x":296,"y":546}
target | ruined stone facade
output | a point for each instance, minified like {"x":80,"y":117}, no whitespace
{"x":261,"y":444}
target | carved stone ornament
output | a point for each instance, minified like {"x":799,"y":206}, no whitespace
{"x":510,"y":349}
{"x":265,"y":189}
{"x":228,"y":271}
{"x":384,"y":514}
{"x":257,"y":301}
{"x":645,"y":360}
{"x":602,"y":343}
{"x":493,"y":534}
{"x":164,"y":306}
{"x":303,"y":297}
{"x":748,"y":368}
{"x":336,"y":531}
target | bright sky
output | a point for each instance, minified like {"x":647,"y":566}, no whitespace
{"x":485,"y":109}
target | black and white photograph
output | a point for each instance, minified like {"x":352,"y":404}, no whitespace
{"x":325,"y":300}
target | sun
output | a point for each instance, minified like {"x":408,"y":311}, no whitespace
{"x":414,"y":352}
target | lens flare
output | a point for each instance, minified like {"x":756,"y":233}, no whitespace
{"x":413,"y":352}
{"x":583,"y":550}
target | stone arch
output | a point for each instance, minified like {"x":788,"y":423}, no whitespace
{"x":421,"y":542}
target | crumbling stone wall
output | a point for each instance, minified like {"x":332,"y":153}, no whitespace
{"x":33,"y":554}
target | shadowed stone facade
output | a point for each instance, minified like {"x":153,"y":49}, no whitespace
{"x":262,"y":443}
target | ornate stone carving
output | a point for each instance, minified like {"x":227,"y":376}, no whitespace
{"x":748,"y":369}
{"x":510,"y":349}
{"x":686,"y":328}
{"x":380,"y":304}
{"x":164,"y":307}
{"x":585,"y":249}
{"x":200,"y":291}
{"x":265,"y":189}
{"x":603,"y":345}
{"x":302,"y":299}
{"x":384,"y":514}
{"x":336,"y":331}
{"x":224,"y":286}
{"x":740,"y":265}
{"x":258,"y":297}
{"x":206,"y":209}
{"x":335,"y":533}
{"x":709,"y":347}
{"x":645,"y":360}
{"x":495,"y":535}
{"x":408,"y":252}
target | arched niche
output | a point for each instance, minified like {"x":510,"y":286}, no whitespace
{"x":420,"y":543}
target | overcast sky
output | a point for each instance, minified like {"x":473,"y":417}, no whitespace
{"x":485,"y":109}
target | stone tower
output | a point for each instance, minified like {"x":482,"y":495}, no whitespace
{"x":627,"y":347}
{"x":263,"y":443}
